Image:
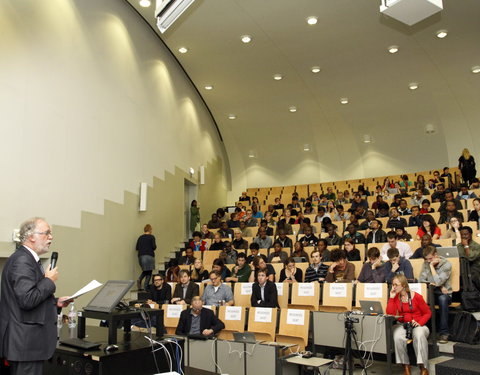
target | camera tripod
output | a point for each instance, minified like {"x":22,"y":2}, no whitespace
{"x":349,"y":353}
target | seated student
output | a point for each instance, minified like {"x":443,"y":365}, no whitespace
{"x":397,"y":265}
{"x":341,"y":199}
{"x":426,"y":209}
{"x":402,"y":247}
{"x":299,"y":252}
{"x":306,"y":223}
{"x":185,"y":289}
{"x":283,"y":225}
{"x":290,"y":273}
{"x":217,"y":243}
{"x":309,"y":210}
{"x":341,"y":269}
{"x":464,"y":193}
{"x":412,"y":309}
{"x":352,"y":253}
{"x":246,"y":231}
{"x":250,"y":221}
{"x":264,"y":291}
{"x":172,"y":272}
{"x":437,"y":270}
{"x":238,"y":242}
{"x":197,"y":244}
{"x":333,"y":239}
{"x":450,"y":198}
{"x":206,"y":234}
{"x":382,"y":210}
{"x":425,"y":241}
{"x":453,"y":231}
{"x":230,"y":253}
{"x":264,"y":225}
{"x":241,"y":271}
{"x":429,"y":227}
{"x":219,"y":266}
{"x":188,"y":258}
{"x":370,"y":216}
{"x":256,"y":214}
{"x":372,"y":270}
{"x":375,"y":233}
{"x":278,"y":205}
{"x":197,"y":320}
{"x":353,"y":235}
{"x":263,"y":241}
{"x":470,"y":249}
{"x":439,"y":194}
{"x":474,"y":214}
{"x":330,"y":194}
{"x":417,"y":198}
{"x":244,"y":197}
{"x":277,"y":255}
{"x":317,"y":271}
{"x":396,"y":200}
{"x":225,"y":231}
{"x":217,"y":293}
{"x":357,"y":202}
{"x":321,"y":214}
{"x":160,"y":291}
{"x":283,"y":239}
{"x":254,"y":252}
{"x":395,"y":220}
{"x":259,"y":264}
{"x":403,"y":235}
{"x":415,"y":219}
{"x":403,"y":209}
{"x":234,"y":222}
{"x":214,"y":223}
{"x":449,"y":212}
{"x":322,"y":247}
{"x":340,"y":214}
{"x":198,"y":273}
{"x":309,"y":239}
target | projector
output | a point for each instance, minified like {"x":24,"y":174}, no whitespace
{"x":167,"y":12}
{"x":410,"y":12}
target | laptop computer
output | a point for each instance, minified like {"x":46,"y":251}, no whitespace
{"x":80,"y":343}
{"x":109,"y":296}
{"x":448,"y":251}
{"x":371,"y":307}
{"x":245,"y":337}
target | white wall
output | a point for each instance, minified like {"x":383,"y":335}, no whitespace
{"x":92,"y":104}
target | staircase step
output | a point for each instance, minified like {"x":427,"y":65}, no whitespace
{"x":467,"y":351}
{"x":457,"y":367}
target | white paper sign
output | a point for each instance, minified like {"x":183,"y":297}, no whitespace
{"x":338,"y":290}
{"x":415,"y":287}
{"x":306,"y":290}
{"x":296,"y":317}
{"x":246,"y":289}
{"x":233,"y":313}
{"x":174,"y":311}
{"x":279,"y":289}
{"x":371,"y":290}
{"x":263,"y":314}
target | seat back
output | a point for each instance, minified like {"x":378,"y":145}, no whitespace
{"x":336,"y":297}
{"x":263,"y":322}
{"x":306,"y":295}
{"x":372,"y":292}
{"x":242,"y":293}
{"x":293,"y":329}
{"x":171,"y":316}
{"x":234,"y":319}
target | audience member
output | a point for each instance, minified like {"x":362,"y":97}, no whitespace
{"x":395,"y":220}
{"x":284,"y":240}
{"x":352,"y":253}
{"x":470,"y":250}
{"x":322,"y":247}
{"x":403,"y":235}
{"x":317,"y":271}
{"x":264,"y":225}
{"x":466,"y":164}
{"x":436,"y":270}
{"x":415,"y":219}
{"x":234,"y":222}
{"x":241,"y":271}
{"x":321,"y":214}
{"x":402,"y":209}
{"x":475,"y":213}
{"x":197,"y":320}
{"x":160,"y":291}
{"x":277,"y":255}
{"x":368,"y":220}
{"x":250,"y":221}
{"x":372,"y":270}
{"x":426,"y":209}
{"x":246,"y":231}
{"x":453,"y":231}
{"x":238,"y":242}
{"x":244,"y":197}
{"x":230,"y":253}
{"x":264,"y":292}
{"x":197,"y":244}
{"x":299,"y":252}
{"x":358,"y":202}
{"x":340,"y":214}
{"x":219,"y":266}
{"x":278,"y":205}
{"x":263,"y":241}
{"x":333,"y":239}
{"x":449,"y":212}
{"x":397,"y":264}
{"x":425,"y":241}
{"x":283,"y":225}
{"x":199,"y":274}
{"x":341,"y":269}
{"x":214,"y":223}
{"x":417,"y":198}
{"x":206,"y":234}
{"x":217,"y":243}
{"x":256,"y":214}
{"x":330,"y":194}
{"x":353,"y":235}
{"x":172,"y":271}
{"x":290,"y":273}
{"x":217,"y":293}
{"x":309,"y":239}
{"x":254,"y":252}
{"x":185,"y":289}
{"x":439,"y":194}
{"x":259,"y":264}
{"x":341,"y":199}
{"x":392,"y":242}
{"x":465,"y":194}
{"x":188,"y":258}
{"x":225,"y":231}
{"x":375,"y":233}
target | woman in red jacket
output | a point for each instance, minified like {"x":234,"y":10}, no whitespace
{"x":414,"y":313}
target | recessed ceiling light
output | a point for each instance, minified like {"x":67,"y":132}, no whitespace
{"x":316,"y":69}
{"x":393,"y":49}
{"x":292,"y":109}
{"x":312,"y":20}
{"x":251,"y":154}
{"x":344,"y":100}
{"x":183,"y":50}
{"x":413,"y":85}
{"x":476,"y":69}
{"x":145,"y":3}
{"x":277,"y":77}
{"x":208,"y":87}
{"x":367,"y":139}
{"x":246,"y":38}
{"x":442,"y":34}
{"x":306,"y":147}
{"x":232,"y":116}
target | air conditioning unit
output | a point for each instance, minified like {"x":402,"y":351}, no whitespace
{"x":410,"y":12}
{"x":167,"y":12}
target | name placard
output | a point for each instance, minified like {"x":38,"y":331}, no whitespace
{"x":174,"y":311}
{"x":371,"y":290}
{"x":233,"y":313}
{"x":279,"y":289}
{"x":338,"y":290}
{"x":263,"y":314}
{"x":246,"y":289}
{"x":296,"y":317}
{"x":306,"y":290}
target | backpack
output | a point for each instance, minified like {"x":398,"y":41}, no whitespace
{"x":465,"y":328}
{"x":470,"y":294}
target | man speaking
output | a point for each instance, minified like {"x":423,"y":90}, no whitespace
{"x":28,"y":308}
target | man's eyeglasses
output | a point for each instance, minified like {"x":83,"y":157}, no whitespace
{"x":47,"y":233}
{"x":157,"y":280}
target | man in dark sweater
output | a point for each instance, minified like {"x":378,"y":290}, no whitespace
{"x":372,"y":270}
{"x":397,"y":265}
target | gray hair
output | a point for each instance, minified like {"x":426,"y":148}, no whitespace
{"x":28,"y":227}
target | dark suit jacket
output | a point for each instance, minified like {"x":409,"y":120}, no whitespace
{"x":270,"y":295}
{"x":380,"y":236}
{"x":28,"y":312}
{"x":208,"y":320}
{"x":192,"y":291}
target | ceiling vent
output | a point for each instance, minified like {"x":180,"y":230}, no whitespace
{"x":167,"y":12}
{"x":410,"y":12}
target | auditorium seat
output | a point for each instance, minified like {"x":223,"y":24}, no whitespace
{"x":371,"y":292}
{"x":234,"y":319}
{"x":293,"y":328}
{"x":171,"y":316}
{"x":336,"y":297}
{"x":242,"y":293}
{"x":306,"y":296}
{"x":263,"y":322}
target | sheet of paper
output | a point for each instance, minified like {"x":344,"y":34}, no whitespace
{"x":87,"y":288}
{"x":371,"y":290}
{"x":296,"y":317}
{"x":306,"y":290}
{"x":246,"y":289}
{"x":279,"y":289}
{"x":174,"y":311}
{"x":263,"y":314}
{"x":338,"y":290}
{"x":233,"y":313}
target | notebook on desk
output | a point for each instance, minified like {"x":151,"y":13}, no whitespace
{"x":80,"y":343}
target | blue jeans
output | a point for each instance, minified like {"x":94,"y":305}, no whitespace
{"x":443,"y":301}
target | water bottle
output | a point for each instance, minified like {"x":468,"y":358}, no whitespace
{"x":59,"y":323}
{"x":72,"y":316}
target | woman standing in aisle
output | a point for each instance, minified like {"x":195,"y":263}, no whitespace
{"x":194,"y":215}
{"x":466,"y":164}
{"x":146,"y":257}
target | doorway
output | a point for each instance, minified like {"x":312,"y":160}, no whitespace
{"x":190,"y":193}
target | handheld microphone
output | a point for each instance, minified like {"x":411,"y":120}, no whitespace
{"x":53,"y":260}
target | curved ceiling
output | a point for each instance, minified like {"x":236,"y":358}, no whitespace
{"x":349,"y":43}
